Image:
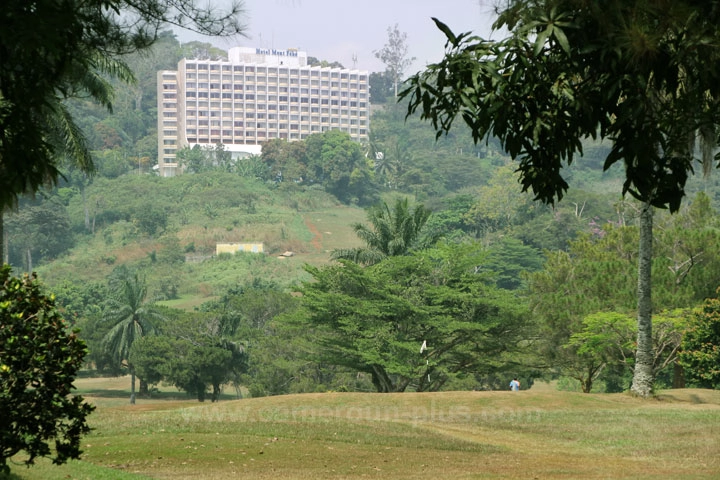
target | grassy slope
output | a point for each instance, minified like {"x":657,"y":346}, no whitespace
{"x":540,"y":433}
{"x":308,"y":223}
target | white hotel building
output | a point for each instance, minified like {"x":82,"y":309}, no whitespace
{"x":254,"y":96}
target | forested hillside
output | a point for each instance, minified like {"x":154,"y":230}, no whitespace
{"x":494,"y":284}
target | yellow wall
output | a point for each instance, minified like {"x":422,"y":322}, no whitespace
{"x":238,"y":247}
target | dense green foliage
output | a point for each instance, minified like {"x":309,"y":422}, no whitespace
{"x":378,"y":319}
{"x":633,"y":73}
{"x":584,"y":297}
{"x":39,"y":359}
{"x":700,"y":355}
{"x":193,"y":352}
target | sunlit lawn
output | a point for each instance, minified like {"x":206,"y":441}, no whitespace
{"x":539,"y":433}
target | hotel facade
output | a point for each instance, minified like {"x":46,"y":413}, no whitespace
{"x":255,"y":96}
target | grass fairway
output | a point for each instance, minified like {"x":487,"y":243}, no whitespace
{"x":539,"y":433}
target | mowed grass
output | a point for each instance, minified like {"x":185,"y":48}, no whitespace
{"x":539,"y":433}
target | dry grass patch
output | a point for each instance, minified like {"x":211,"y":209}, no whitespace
{"x":529,"y":434}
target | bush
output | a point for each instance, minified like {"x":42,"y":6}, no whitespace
{"x":39,"y":359}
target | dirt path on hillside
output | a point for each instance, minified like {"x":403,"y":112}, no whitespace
{"x":317,"y":236}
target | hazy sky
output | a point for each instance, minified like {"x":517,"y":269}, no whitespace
{"x":336,"y":30}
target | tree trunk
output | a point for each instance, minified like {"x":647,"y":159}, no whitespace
{"x":216,"y":392}
{"x":3,"y":245}
{"x":85,"y":205}
{"x":144,"y":389}
{"x":643,"y":376}
{"x":132,"y":388}
{"x":28,"y":255}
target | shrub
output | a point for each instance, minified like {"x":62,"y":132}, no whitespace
{"x":39,"y":359}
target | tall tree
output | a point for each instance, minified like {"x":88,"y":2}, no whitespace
{"x":132,"y":316}
{"x":414,"y":321}
{"x":635,"y":73}
{"x":394,"y":55}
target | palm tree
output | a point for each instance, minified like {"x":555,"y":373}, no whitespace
{"x":394,"y":231}
{"x":132,"y":317}
{"x":62,"y":140}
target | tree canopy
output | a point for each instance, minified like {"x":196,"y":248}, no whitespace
{"x":639,"y":74}
{"x":413,"y":321}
